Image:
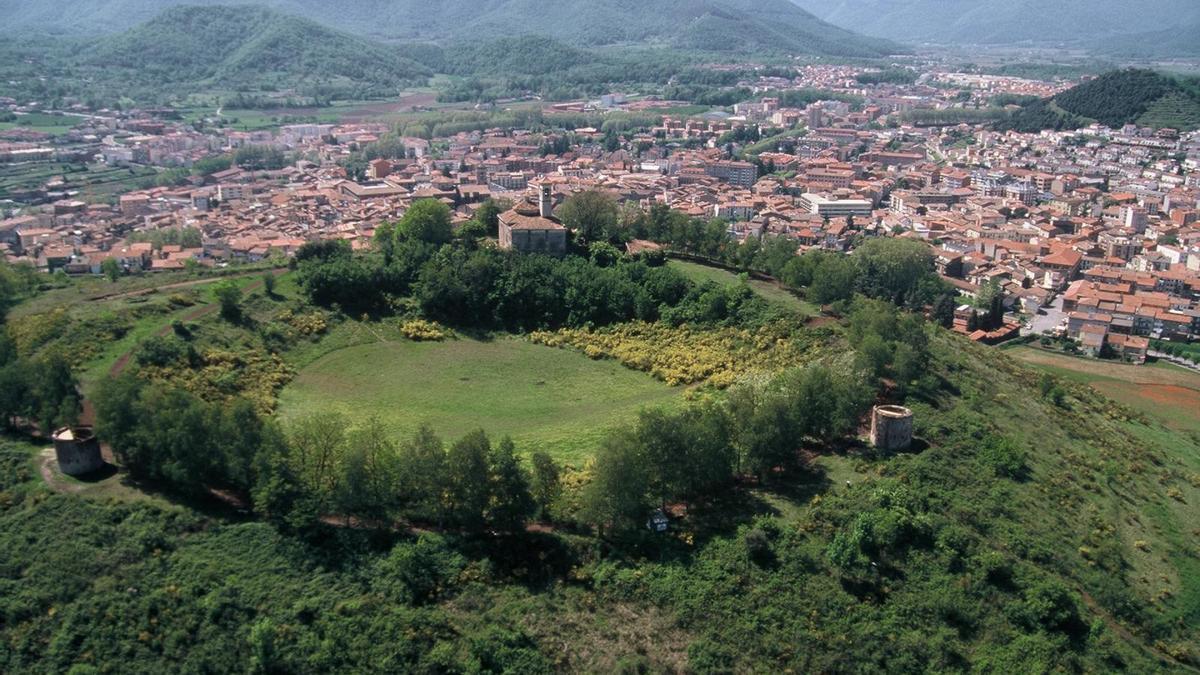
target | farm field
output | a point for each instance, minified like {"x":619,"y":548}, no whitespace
{"x":408,"y":104}
{"x":95,"y":182}
{"x":702,"y":273}
{"x":547,"y":399}
{"x":1161,"y":391}
{"x":54,"y":125}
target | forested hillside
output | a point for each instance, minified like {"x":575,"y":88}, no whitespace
{"x":1034,"y":525}
{"x":1115,"y":99}
{"x":368,"y":50}
{"x":240,"y":46}
{"x":712,"y":25}
{"x":527,"y":55}
{"x":1030,"y":536}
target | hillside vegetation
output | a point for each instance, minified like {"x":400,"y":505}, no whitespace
{"x":526,"y":55}
{"x":1029,"y":536}
{"x":239,"y":46}
{"x":296,"y":53}
{"x":1117,"y":98}
{"x":1181,"y":39}
{"x":712,"y":25}
{"x":1034,"y":525}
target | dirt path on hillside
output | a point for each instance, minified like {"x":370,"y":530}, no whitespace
{"x":1126,"y":635}
{"x":178,"y":284}
{"x":54,"y":479}
{"x":122,"y":361}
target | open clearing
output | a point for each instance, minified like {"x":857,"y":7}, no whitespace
{"x":772,"y":292}
{"x":1160,"y":391}
{"x":547,"y":399}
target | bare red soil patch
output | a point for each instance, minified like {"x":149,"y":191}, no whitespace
{"x":1171,"y":395}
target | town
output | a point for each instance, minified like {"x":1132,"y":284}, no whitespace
{"x":690,"y":336}
{"x":1092,"y":234}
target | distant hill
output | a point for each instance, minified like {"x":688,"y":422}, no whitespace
{"x":711,"y":25}
{"x":246,"y":45}
{"x":1121,"y":97}
{"x":1092,"y":22}
{"x":1178,"y":41}
{"x":525,"y":55}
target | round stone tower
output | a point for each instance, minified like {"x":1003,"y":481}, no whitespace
{"x":77,"y":451}
{"x":891,"y":427}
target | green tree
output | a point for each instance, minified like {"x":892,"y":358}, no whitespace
{"x":827,"y":402}
{"x":385,"y":241}
{"x":16,"y":400}
{"x":895,"y":269}
{"x":420,"y":571}
{"x":422,"y":472}
{"x":117,"y":418}
{"x":263,"y":656}
{"x":368,"y":473}
{"x":833,"y":280}
{"x":468,"y":490}
{"x":55,"y":391}
{"x":615,"y":498}
{"x":427,"y":220}
{"x":1004,"y":457}
{"x":229,"y":295}
{"x":488,"y":214}
{"x":110,"y":268}
{"x":874,"y":354}
{"x":510,"y":503}
{"x":765,"y":429}
{"x":591,"y":216}
{"x":546,"y":484}
{"x":943,"y":310}
{"x":279,"y":493}
{"x":318,"y":447}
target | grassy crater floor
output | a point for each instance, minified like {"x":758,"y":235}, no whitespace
{"x":548,"y":399}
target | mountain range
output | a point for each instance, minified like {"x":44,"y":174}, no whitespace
{"x":777,"y":26}
{"x":1100,"y":24}
{"x":244,"y":44}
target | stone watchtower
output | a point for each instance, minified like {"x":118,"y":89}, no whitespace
{"x":891,"y":427}
{"x":77,"y":451}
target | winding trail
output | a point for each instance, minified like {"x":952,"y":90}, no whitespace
{"x":122,"y":361}
{"x":179,"y":284}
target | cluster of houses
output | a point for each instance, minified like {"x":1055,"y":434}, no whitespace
{"x":1098,"y":228}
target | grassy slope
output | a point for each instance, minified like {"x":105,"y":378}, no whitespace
{"x":1166,"y":393}
{"x":1103,"y":476}
{"x":1109,"y":509}
{"x":1174,"y":111}
{"x":98,"y":321}
{"x":545,"y":398}
{"x":1095,"y":512}
{"x":702,"y":273}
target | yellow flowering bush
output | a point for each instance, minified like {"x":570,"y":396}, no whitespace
{"x":421,"y":330}
{"x":255,"y":375}
{"x":310,"y":323}
{"x":685,"y":354}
